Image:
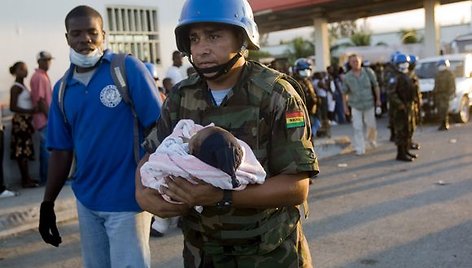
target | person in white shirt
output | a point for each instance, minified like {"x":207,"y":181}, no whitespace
{"x":174,"y":72}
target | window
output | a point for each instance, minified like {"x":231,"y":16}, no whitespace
{"x":429,"y":69}
{"x":134,"y":30}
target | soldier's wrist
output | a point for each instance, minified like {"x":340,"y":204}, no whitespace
{"x":226,"y":200}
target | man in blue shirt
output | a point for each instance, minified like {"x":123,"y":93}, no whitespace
{"x":96,"y":126}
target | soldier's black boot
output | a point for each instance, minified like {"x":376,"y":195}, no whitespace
{"x":415,"y":146}
{"x":392,"y":134}
{"x":409,"y":147}
{"x":444,"y":126}
{"x":401,"y":154}
{"x":412,"y":155}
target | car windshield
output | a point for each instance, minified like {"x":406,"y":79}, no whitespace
{"x":429,"y":69}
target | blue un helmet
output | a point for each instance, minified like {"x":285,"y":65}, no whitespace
{"x":401,"y":61}
{"x":302,"y":67}
{"x":413,"y":59}
{"x":393,"y":55}
{"x":443,"y":62}
{"x":152,"y":70}
{"x":233,"y":12}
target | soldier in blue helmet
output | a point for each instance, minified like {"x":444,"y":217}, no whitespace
{"x":401,"y":102}
{"x":417,"y":100}
{"x":444,"y":89}
{"x":259,"y":226}
{"x":302,"y":72}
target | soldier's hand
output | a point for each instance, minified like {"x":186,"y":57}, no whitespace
{"x":47,"y":224}
{"x":151,"y":200}
{"x":200,"y":194}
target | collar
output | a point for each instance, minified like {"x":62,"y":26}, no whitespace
{"x":107,"y":56}
{"x":38,"y":70}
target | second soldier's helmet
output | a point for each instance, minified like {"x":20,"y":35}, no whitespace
{"x":152,"y":70}
{"x":401,"y":61}
{"x":302,"y":67}
{"x":443,"y":62}
{"x":413,"y":59}
{"x":232,"y":12}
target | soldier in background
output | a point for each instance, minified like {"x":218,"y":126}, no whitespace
{"x":302,"y":74}
{"x":257,"y":105}
{"x":401,"y":102}
{"x":416,"y":101}
{"x":443,"y":91}
{"x":389,"y":72}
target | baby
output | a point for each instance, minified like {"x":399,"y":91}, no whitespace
{"x":210,"y":153}
{"x":218,"y":148}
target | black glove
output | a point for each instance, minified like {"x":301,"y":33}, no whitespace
{"x":47,"y":224}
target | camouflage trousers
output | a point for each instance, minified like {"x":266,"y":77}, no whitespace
{"x":442,"y":104}
{"x":403,"y":123}
{"x":292,"y":253}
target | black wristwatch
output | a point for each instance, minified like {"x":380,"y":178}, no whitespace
{"x":227,"y":200}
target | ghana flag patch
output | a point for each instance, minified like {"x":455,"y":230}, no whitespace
{"x":295,"y":119}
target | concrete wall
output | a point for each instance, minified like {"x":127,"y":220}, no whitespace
{"x":28,"y":26}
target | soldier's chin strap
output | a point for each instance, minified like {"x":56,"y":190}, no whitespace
{"x":219,"y":69}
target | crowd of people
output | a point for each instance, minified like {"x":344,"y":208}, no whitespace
{"x":249,"y":124}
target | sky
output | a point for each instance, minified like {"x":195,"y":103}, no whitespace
{"x":450,"y":14}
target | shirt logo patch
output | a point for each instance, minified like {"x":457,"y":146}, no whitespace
{"x":110,"y":96}
{"x":295,"y":119}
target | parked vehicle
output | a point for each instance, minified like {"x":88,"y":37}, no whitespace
{"x":460,"y":105}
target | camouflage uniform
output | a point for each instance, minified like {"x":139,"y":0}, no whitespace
{"x":258,"y":110}
{"x":416,"y":116}
{"x":401,"y":100}
{"x":390,"y":72}
{"x":310,"y":94}
{"x":444,"y":89}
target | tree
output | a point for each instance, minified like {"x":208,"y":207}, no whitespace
{"x":256,"y":55}
{"x":342,"y":29}
{"x":361,"y":38}
{"x":301,"y":48}
{"x":409,"y":36}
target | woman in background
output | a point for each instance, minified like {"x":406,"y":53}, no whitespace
{"x":22,"y":148}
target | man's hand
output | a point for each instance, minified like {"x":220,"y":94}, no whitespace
{"x":47,"y":224}
{"x":347,"y":112}
{"x":200,"y":194}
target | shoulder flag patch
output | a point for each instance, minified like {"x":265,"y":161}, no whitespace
{"x":295,"y":119}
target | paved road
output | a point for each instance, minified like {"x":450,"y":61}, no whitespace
{"x":369,"y":211}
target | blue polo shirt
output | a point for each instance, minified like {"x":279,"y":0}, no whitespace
{"x":100,"y":132}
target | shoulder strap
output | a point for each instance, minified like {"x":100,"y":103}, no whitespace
{"x":61,"y":94}
{"x":271,"y":76}
{"x":118,"y":74}
{"x":298,"y":88}
{"x":371,"y":78}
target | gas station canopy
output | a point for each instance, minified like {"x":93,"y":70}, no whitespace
{"x":277,"y":15}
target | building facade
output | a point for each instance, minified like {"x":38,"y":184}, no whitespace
{"x":144,"y":28}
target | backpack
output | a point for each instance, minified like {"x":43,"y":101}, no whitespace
{"x":118,"y":74}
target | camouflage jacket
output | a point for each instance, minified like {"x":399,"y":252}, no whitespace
{"x":270,"y":117}
{"x":401,"y":89}
{"x":444,"y":83}
{"x":310,"y":94}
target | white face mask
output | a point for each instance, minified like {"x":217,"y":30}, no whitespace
{"x":304,"y":73}
{"x":442,"y":67}
{"x":403,"y":67}
{"x":85,"y":61}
